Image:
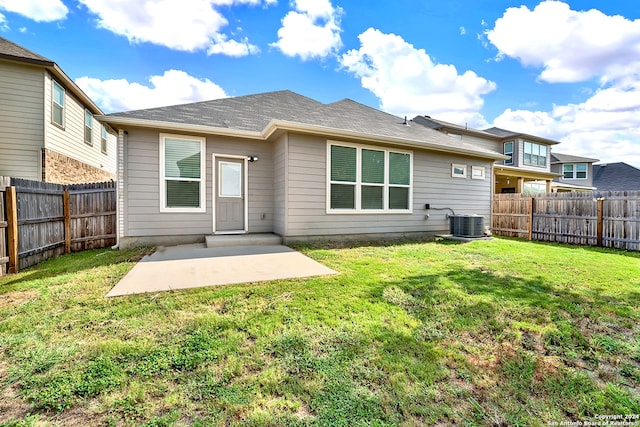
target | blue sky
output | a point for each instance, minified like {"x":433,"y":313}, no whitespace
{"x":564,"y":70}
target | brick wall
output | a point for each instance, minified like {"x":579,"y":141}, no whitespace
{"x":61,"y":169}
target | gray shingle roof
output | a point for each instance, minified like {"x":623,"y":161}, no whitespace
{"x":504,"y":133}
{"x":568,"y":158}
{"x":10,"y":50}
{"x":616,"y":177}
{"x":254,"y":112}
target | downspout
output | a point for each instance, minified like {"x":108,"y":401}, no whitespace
{"x":122,"y":136}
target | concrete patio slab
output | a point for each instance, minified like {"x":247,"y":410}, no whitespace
{"x":194,"y":266}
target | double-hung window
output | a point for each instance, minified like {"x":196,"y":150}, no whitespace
{"x":182,"y":170}
{"x":574,"y":171}
{"x":368,"y":179}
{"x":57,"y":104}
{"x":508,"y":151}
{"x":88,"y":127}
{"x":103,"y":139}
{"x":535,"y":154}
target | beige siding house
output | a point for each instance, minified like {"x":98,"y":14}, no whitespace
{"x":286,"y":164}
{"x":48,"y":129}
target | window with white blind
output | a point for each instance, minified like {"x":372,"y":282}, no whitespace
{"x":57,"y":104}
{"x":182,"y":169}
{"x":368,"y":179}
{"x":88,"y":127}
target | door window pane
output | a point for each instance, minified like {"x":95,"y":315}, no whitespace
{"x":230,"y":179}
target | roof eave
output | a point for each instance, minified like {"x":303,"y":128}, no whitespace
{"x":74,"y":88}
{"x":275,"y":125}
{"x":179,"y":127}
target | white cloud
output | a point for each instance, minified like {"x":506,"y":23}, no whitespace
{"x":408,"y":82}
{"x":310,"y":31}
{"x":3,"y":23}
{"x":37,"y":10}
{"x":569,"y":45}
{"x":606,"y":126}
{"x":463,"y":31}
{"x":173,"y":87}
{"x":181,"y":25}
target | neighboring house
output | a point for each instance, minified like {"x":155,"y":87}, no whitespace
{"x":577,"y":173}
{"x":283,"y":163}
{"x":616,"y":177}
{"x":527,"y":168}
{"x":48,"y":130}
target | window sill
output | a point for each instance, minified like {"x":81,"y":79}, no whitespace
{"x":368,"y":212}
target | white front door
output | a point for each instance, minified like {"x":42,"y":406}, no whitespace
{"x":230,"y":197}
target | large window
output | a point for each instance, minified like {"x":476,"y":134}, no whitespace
{"x":366,"y":179}
{"x":535,"y":154}
{"x":182,"y":168}
{"x":508,"y":151}
{"x":575,"y":171}
{"x":88,"y":127}
{"x":57,"y":104}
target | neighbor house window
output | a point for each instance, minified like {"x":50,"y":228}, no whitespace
{"x":103,"y":139}
{"x":477,"y":172}
{"x":575,"y":171}
{"x":458,"y":171}
{"x":182,"y":169}
{"x":508,"y":151}
{"x":365,"y":179}
{"x":88,"y":126}
{"x":535,"y":154}
{"x":57,"y":104}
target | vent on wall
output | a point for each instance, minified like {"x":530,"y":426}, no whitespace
{"x":466,"y":225}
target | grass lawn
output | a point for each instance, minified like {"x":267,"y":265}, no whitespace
{"x":499,"y":332}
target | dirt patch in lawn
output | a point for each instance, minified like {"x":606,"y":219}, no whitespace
{"x":11,"y":299}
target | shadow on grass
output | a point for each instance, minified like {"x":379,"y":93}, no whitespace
{"x":71,"y":264}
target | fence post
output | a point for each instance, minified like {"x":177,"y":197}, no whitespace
{"x":599,"y":227}
{"x":532,"y":207}
{"x":12,"y":229}
{"x":67,"y":222}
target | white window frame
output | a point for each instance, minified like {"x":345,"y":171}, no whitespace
{"x":574,"y":170}
{"x":163,"y":178}
{"x":88,"y":125}
{"x":455,"y":174}
{"x":510,"y":153}
{"x":54,"y":103}
{"x":538,"y":156}
{"x":477,"y":172}
{"x":103,"y":139}
{"x":358,"y":183}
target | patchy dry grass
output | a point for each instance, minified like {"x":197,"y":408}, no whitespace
{"x":498,"y":332}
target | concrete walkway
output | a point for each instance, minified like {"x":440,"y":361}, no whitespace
{"x":194,"y":266}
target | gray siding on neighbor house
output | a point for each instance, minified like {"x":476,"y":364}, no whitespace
{"x":142,"y":189}
{"x":432,"y":183}
{"x":280,"y":185}
{"x":70,"y":139}
{"x":21,"y":122}
{"x":587,"y":182}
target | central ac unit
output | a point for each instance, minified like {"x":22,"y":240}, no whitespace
{"x":466,"y":225}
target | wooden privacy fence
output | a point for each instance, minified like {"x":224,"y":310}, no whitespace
{"x":42,"y":220}
{"x":609,"y":219}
